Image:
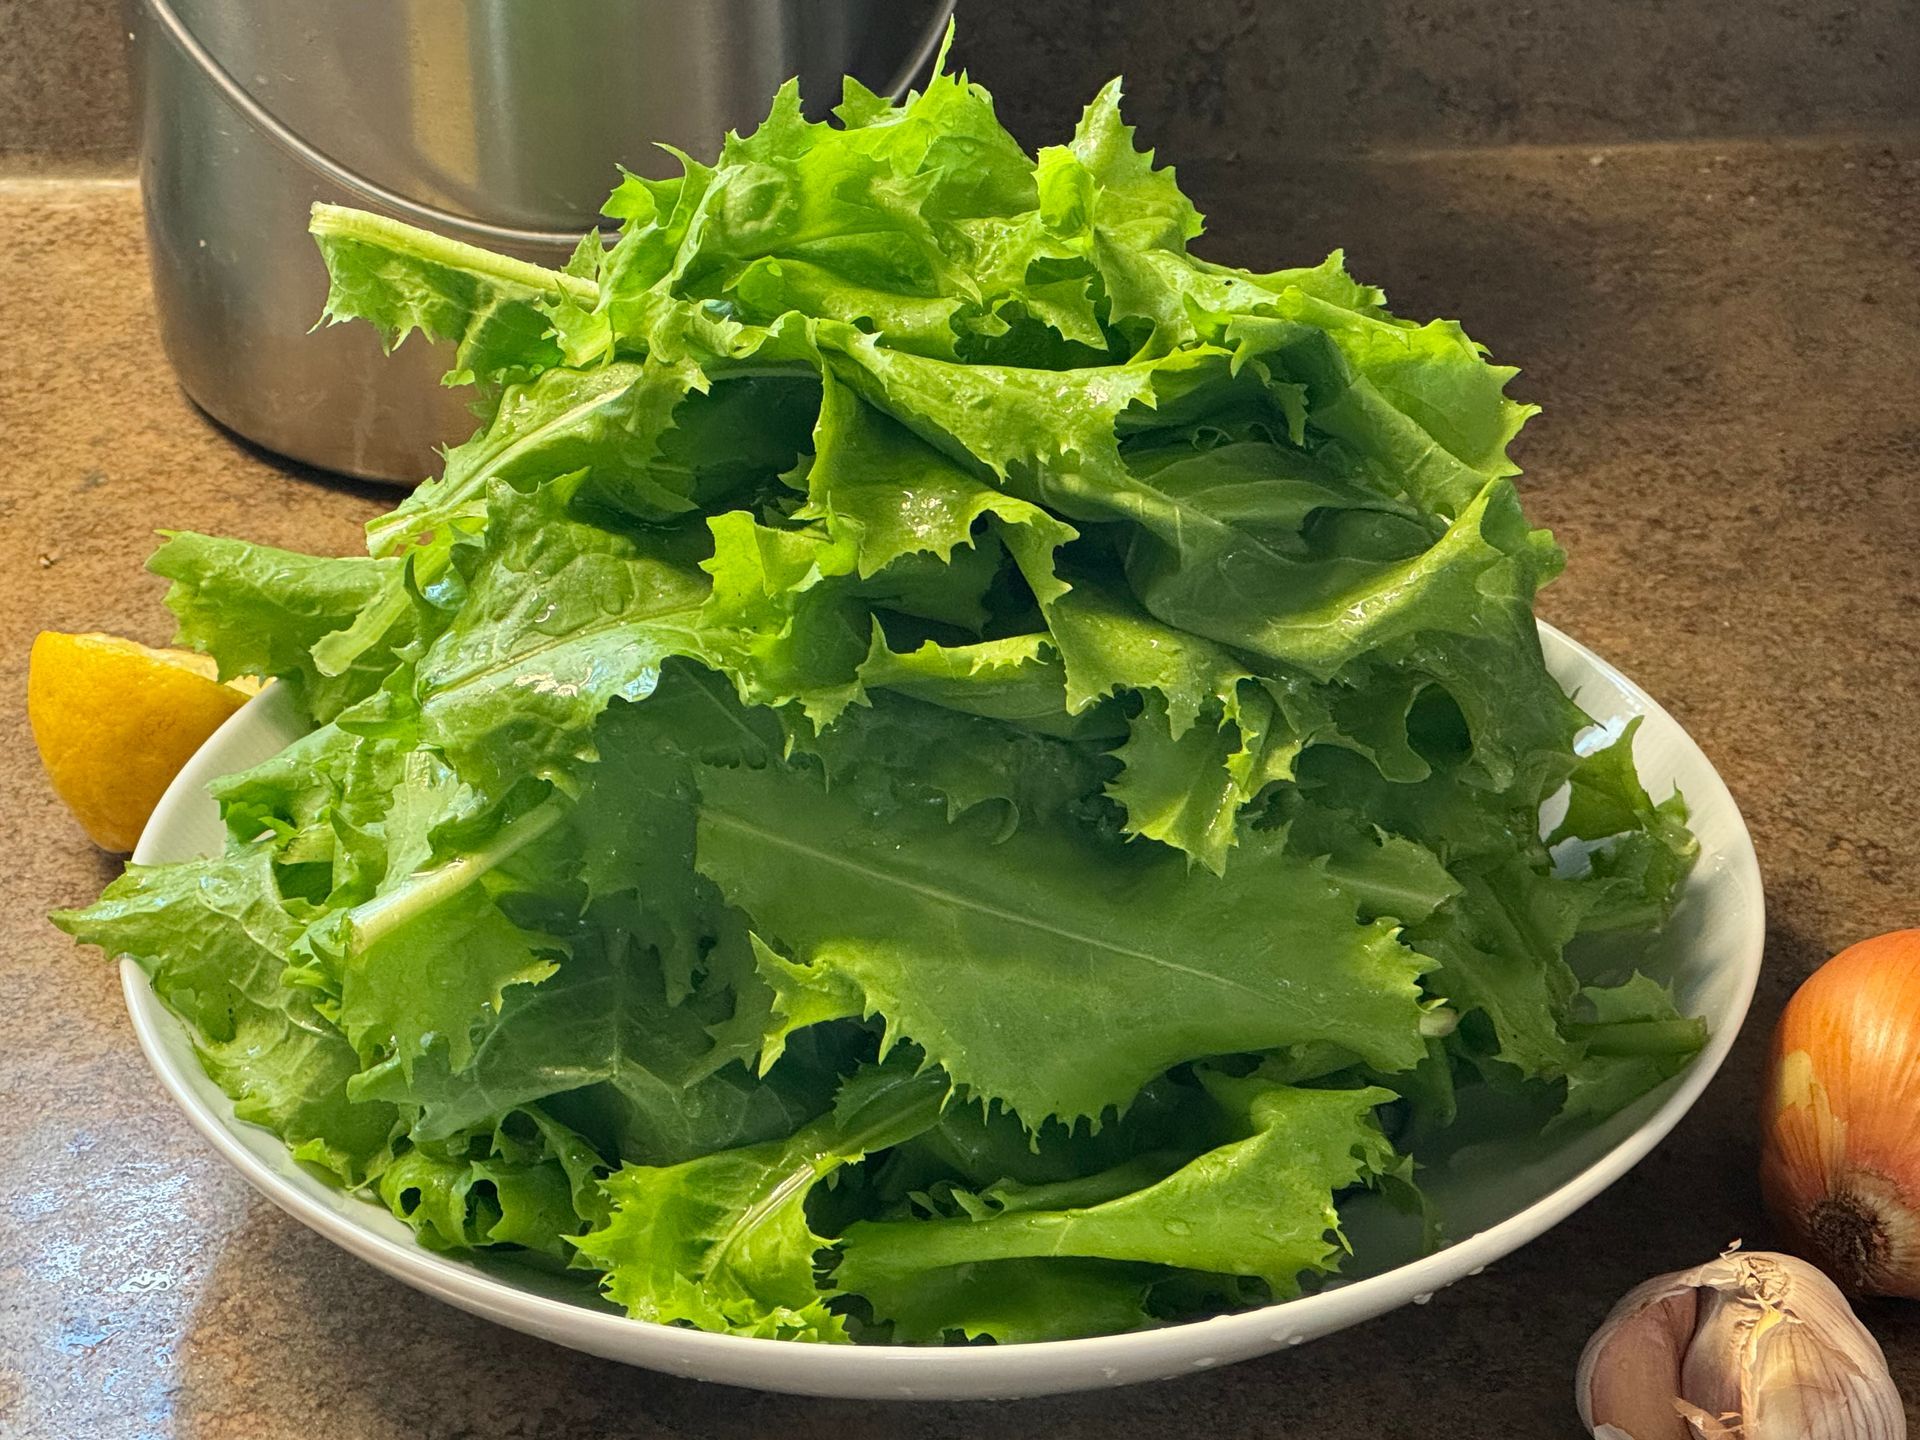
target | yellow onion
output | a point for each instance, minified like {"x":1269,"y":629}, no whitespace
{"x":1840,"y":1155}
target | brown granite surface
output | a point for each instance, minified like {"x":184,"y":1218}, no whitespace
{"x":64,"y":96}
{"x":1224,"y":78}
{"x":1233,"y":79}
{"x":1726,"y":340}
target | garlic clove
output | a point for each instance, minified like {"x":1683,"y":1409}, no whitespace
{"x":1755,"y":1346}
{"x":1717,"y":1374}
{"x":1812,"y":1391}
{"x":1628,"y":1379}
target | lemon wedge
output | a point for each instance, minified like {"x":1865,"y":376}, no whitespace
{"x":115,"y":720}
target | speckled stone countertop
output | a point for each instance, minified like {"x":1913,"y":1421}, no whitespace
{"x":1726,"y":340}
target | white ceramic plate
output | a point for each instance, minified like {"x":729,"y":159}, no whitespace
{"x":1493,"y":1197}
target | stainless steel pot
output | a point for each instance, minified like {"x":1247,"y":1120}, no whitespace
{"x":499,"y":122}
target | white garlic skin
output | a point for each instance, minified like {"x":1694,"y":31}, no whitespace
{"x":1755,"y":1346}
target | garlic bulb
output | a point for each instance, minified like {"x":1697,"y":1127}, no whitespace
{"x":1840,"y":1119}
{"x":1747,"y":1347}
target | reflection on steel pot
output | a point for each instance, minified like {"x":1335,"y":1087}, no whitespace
{"x":494,"y":121}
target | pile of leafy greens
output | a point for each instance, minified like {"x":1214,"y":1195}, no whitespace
{"x":940,"y":768}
